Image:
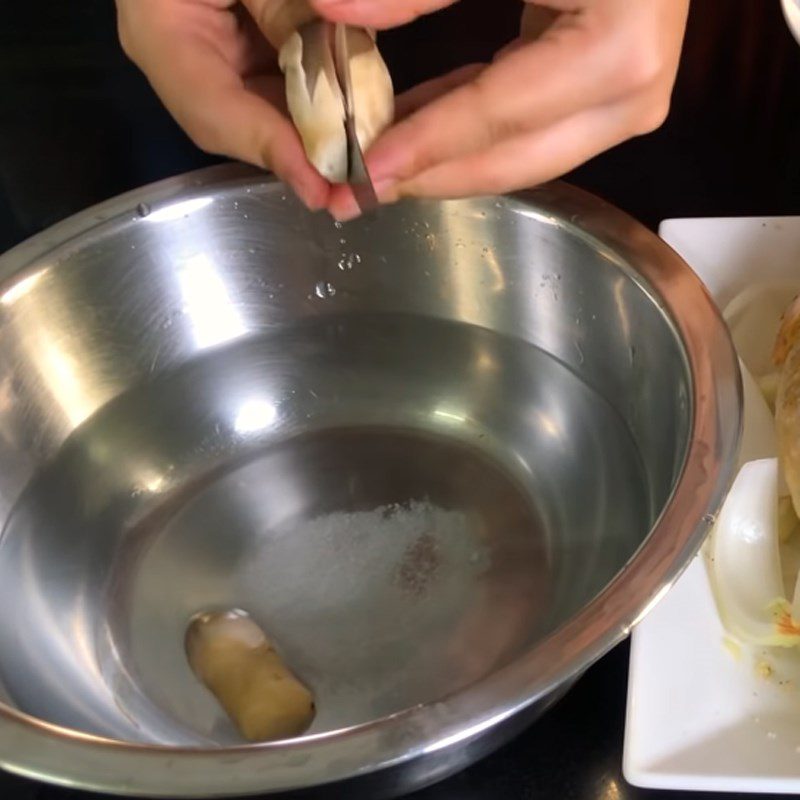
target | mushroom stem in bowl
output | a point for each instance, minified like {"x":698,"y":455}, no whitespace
{"x":233,"y":658}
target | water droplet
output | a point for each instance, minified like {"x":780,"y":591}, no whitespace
{"x":348,"y":261}
{"x":143,"y":209}
{"x":324,"y":289}
{"x":246,"y":216}
{"x":251,"y":250}
{"x":709,"y":519}
{"x":235,"y":204}
{"x":337,"y":225}
{"x":342,"y":240}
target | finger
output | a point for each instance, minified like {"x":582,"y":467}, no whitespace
{"x":253,"y":54}
{"x":559,"y":77}
{"x":342,"y":199}
{"x":377,"y":13}
{"x":521,"y":162}
{"x":524,"y":161}
{"x":536,"y":19}
{"x":511,"y":47}
{"x":222,"y":115}
{"x":431,"y":90}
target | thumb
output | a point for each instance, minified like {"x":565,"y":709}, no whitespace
{"x":377,"y":13}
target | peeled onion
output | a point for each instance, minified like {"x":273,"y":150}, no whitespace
{"x":752,"y":554}
{"x":745,"y":564}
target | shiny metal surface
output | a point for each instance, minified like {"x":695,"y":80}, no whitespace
{"x":423,"y":450}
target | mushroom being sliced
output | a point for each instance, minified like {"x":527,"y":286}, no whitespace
{"x":315,"y":99}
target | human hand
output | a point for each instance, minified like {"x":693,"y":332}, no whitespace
{"x":584,"y":76}
{"x":217,"y":73}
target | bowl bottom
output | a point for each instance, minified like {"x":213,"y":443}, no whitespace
{"x":389,"y":569}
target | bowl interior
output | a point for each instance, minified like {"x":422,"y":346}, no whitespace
{"x":410,"y":448}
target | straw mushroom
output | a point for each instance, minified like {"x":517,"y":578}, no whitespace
{"x":315,"y":100}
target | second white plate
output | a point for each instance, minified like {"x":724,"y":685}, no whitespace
{"x":698,"y":717}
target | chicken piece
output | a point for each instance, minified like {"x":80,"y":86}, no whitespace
{"x":787,"y":333}
{"x":768,"y":386}
{"x":233,"y":658}
{"x":787,"y":424}
{"x":786,"y":354}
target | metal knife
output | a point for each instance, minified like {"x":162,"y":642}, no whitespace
{"x":357,"y":175}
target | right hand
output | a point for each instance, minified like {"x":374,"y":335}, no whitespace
{"x":584,"y":76}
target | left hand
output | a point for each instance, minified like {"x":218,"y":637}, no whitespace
{"x":214,"y":65}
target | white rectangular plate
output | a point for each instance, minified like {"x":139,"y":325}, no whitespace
{"x":698,"y":717}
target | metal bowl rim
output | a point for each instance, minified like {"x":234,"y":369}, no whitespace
{"x":33,"y":747}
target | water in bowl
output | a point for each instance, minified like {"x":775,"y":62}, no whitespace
{"x":401,"y":503}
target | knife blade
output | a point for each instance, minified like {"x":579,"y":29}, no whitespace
{"x":357,"y":174}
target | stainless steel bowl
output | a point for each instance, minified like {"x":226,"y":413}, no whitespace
{"x":446,"y":456}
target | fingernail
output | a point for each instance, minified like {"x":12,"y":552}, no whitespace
{"x":346,"y":213}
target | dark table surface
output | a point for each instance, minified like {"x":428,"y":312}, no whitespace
{"x":78,"y":124}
